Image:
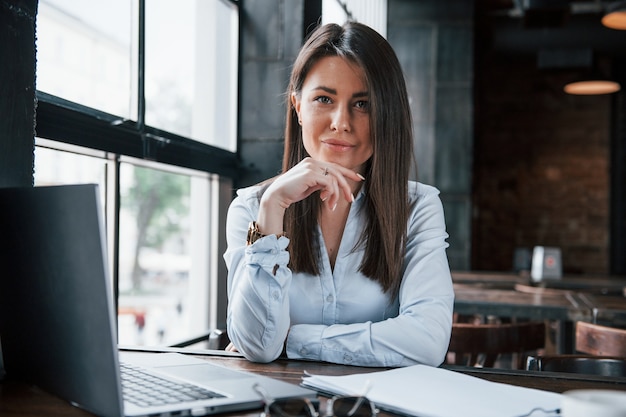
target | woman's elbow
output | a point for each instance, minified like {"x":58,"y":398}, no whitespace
{"x":434,"y":348}
{"x":440,"y":344}
{"x":261,"y":355}
{"x":436,"y":357}
{"x":254,"y":351}
{"x":433,"y":356}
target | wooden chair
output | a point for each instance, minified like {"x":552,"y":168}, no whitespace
{"x":482,"y":344}
{"x":598,"y":340}
{"x":601,"y":351}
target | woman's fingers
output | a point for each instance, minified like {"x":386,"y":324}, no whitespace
{"x":309,"y":176}
{"x":338,"y":184}
{"x":332,"y":189}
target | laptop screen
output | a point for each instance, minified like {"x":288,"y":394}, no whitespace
{"x":57,"y":320}
{"x":56,"y":329}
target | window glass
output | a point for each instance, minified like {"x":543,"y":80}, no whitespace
{"x":56,"y":167}
{"x":166,"y":270}
{"x":84,"y":53}
{"x":371,"y":12}
{"x":191,"y":69}
{"x":87,"y":53}
{"x":163,"y":255}
{"x":59,"y":163}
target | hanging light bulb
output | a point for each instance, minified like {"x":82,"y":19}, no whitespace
{"x":615,"y":16}
{"x":592,"y":87}
{"x":593,"y":81}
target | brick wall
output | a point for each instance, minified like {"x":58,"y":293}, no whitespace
{"x":541,"y":173}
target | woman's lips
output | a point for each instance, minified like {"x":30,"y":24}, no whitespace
{"x":338,"y":145}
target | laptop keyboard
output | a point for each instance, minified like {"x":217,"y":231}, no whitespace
{"x":145,"y":390}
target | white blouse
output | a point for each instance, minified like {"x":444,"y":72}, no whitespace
{"x":340,"y":316}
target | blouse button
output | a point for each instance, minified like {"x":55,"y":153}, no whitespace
{"x":329,"y":298}
{"x":303,"y":351}
{"x":275,"y":295}
{"x":347,"y":358}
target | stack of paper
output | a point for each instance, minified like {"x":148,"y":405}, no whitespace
{"x":426,"y":391}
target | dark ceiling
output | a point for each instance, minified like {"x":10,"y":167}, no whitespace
{"x":520,"y":27}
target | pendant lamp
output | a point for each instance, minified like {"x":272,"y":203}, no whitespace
{"x":593,"y":81}
{"x":615,"y":16}
{"x":592,"y":87}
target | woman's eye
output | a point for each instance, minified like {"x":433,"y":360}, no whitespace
{"x":323,"y":99}
{"x":362,"y":104}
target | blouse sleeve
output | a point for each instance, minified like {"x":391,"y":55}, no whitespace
{"x":420,"y":333}
{"x":258,"y":286}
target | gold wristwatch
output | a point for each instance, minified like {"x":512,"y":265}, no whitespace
{"x":254,"y":234}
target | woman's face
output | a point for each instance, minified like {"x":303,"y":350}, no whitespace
{"x":333,"y":109}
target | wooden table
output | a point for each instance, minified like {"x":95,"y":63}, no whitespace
{"x":592,"y":299}
{"x":565,"y":308}
{"x":606,"y":309}
{"x":571,"y":298}
{"x":594,"y":284}
{"x":510,"y":303}
{"x":502,"y":280}
{"x":19,"y":399}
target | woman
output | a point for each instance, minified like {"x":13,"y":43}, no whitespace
{"x":341,"y":258}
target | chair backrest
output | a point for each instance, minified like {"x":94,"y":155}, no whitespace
{"x":482,"y":344}
{"x":598,"y":340}
{"x":602,"y":351}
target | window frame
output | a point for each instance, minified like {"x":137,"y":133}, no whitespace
{"x":66,"y":122}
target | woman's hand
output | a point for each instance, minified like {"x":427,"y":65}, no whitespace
{"x":309,"y":176}
{"x":304,"y":179}
{"x":231,"y":348}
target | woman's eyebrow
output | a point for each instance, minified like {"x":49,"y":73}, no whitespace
{"x":326,"y":89}
{"x":334,"y":91}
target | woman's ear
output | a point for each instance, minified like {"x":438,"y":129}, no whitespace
{"x":295,"y":102}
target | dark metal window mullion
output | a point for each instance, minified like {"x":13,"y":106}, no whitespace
{"x":116,"y":241}
{"x":141,"y":83}
{"x":141,"y":67}
{"x":141,"y":128}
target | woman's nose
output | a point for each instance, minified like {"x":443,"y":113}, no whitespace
{"x":341,"y":120}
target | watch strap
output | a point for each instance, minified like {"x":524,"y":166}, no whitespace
{"x":254,"y":234}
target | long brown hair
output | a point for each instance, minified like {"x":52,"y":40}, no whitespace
{"x":387,"y":171}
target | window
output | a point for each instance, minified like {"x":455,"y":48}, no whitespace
{"x":85,"y":53}
{"x":187,"y":92}
{"x":164,"y":268}
{"x":129,"y":99}
{"x":371,"y":12}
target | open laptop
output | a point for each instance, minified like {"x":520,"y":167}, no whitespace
{"x":57,"y":321}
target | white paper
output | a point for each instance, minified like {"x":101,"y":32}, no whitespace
{"x":426,"y":391}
